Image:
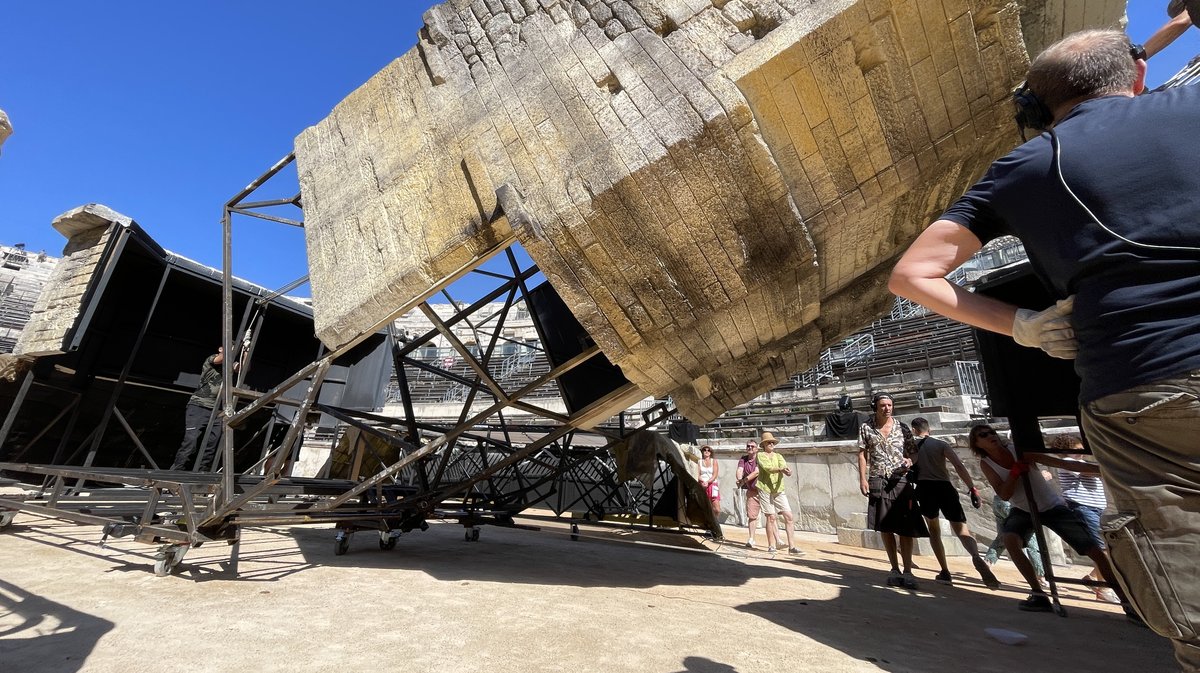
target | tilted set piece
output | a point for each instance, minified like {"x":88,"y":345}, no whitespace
{"x":716,"y":188}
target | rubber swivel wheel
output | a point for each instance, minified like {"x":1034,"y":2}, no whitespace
{"x":474,"y":535}
{"x":341,"y":545}
{"x":574,"y":531}
{"x":387,"y":542}
{"x":162,"y":567}
{"x":168,"y":559}
{"x":6,"y":518}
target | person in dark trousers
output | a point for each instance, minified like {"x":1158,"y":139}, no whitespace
{"x":199,"y":410}
{"x":936,"y":494}
{"x":1105,"y":199}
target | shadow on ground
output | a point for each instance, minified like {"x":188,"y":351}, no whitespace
{"x":40,"y":635}
{"x":537,"y":557}
{"x":941,"y":627}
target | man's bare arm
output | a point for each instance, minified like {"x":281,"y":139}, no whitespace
{"x":1080,"y":466}
{"x":1169,"y":32}
{"x":960,"y":469}
{"x":920,"y":276}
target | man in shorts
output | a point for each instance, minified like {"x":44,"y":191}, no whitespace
{"x":747,"y":490}
{"x":772,"y":468}
{"x":936,"y":494}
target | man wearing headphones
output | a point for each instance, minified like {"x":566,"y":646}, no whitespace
{"x":885,"y":453}
{"x":1107,"y":203}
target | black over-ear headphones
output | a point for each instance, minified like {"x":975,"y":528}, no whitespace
{"x":877,"y":397}
{"x":1032,"y":113}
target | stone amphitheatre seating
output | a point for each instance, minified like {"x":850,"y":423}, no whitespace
{"x":914,"y":344}
{"x":512,"y":371}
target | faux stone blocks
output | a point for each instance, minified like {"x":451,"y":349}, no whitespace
{"x":716,"y":188}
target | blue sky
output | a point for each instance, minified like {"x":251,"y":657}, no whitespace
{"x":165,"y":110}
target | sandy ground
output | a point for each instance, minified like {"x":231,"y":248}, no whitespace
{"x":520,"y":600}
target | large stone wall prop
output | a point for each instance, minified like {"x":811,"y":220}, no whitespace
{"x":717,"y":188}
{"x":57,"y":310}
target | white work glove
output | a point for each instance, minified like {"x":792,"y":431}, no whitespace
{"x":1049,"y":330}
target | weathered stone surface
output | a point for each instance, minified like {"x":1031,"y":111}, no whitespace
{"x":87,"y":229}
{"x":717,"y":189}
{"x":6,"y":128}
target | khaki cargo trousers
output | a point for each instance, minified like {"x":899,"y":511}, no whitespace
{"x":1147,"y":441}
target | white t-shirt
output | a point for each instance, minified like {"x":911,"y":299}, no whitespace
{"x":1044,"y":493}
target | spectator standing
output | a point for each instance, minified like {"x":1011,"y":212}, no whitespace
{"x":747,"y":489}
{"x":709,"y":473}
{"x":772,"y":500}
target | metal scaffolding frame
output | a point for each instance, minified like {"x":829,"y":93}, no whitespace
{"x":480,"y":466}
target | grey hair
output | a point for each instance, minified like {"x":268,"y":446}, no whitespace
{"x":1087,"y":64}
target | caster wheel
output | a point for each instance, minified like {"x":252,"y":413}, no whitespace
{"x":6,"y":519}
{"x":341,"y":545}
{"x":574,"y":531}
{"x":474,"y":535}
{"x":386,"y":541}
{"x":168,"y":559}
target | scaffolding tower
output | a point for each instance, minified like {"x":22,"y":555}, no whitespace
{"x":394,"y":474}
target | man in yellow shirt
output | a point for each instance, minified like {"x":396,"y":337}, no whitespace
{"x":772,"y":468}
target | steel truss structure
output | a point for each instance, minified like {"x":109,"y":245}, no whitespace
{"x":500,"y":452}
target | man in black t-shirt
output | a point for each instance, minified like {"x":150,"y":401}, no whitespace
{"x":196,"y":418}
{"x":1107,"y":203}
{"x":936,"y":494}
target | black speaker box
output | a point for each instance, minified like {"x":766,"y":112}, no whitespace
{"x":683,"y":432}
{"x":564,"y":338}
{"x":1024,"y":384}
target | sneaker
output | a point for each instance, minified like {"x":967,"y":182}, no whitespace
{"x":1107,"y":595}
{"x":795,"y":551}
{"x":1036,"y":603}
{"x":908,"y":581}
{"x":750,"y":544}
{"x":895,"y":579}
{"x":770,"y":550}
{"x":944,"y":577}
{"x":1044,"y":584}
{"x":991,"y":558}
{"x":986,"y":574}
